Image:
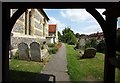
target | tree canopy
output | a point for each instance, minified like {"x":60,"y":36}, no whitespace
{"x":68,"y":36}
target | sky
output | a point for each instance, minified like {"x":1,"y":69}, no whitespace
{"x":79,"y":20}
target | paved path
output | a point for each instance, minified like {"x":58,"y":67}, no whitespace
{"x":57,"y":65}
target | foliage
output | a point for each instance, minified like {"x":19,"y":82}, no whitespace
{"x":91,"y":43}
{"x":77,"y":35}
{"x":88,"y":44}
{"x":82,"y":35}
{"x":51,"y":45}
{"x":101,"y":46}
{"x":52,"y":50}
{"x":69,"y":36}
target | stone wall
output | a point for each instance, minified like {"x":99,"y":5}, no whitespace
{"x":38,"y":33}
{"x":37,"y":16}
{"x":18,"y":27}
{"x":16,"y":40}
{"x":38,"y":25}
{"x":22,"y":17}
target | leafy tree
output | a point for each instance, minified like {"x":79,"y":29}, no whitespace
{"x":82,"y":35}
{"x":77,"y":35}
{"x":101,"y":46}
{"x":91,"y":43}
{"x":69,"y":36}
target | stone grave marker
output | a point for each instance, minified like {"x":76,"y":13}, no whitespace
{"x":23,"y":51}
{"x":89,"y":53}
{"x":35,"y":51}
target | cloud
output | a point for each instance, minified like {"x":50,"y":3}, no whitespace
{"x":60,"y":25}
{"x":75,"y":15}
{"x":63,"y":14}
{"x":89,"y":29}
{"x":78,"y":15}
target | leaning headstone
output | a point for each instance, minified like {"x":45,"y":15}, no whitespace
{"x":23,"y":51}
{"x":89,"y":53}
{"x":35,"y":51}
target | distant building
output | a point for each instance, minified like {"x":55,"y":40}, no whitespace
{"x":53,"y":34}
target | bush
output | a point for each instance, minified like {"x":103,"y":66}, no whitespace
{"x":52,"y":50}
{"x":51,"y":45}
{"x":101,"y":46}
{"x":87,"y":44}
{"x":91,"y":43}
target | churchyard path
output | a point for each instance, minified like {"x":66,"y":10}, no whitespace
{"x":57,"y":65}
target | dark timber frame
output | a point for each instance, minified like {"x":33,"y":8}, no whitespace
{"x":108,"y":26}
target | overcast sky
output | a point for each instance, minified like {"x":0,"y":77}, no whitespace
{"x":79,"y":20}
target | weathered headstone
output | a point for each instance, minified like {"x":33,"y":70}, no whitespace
{"x":35,"y":51}
{"x":23,"y":51}
{"x":89,"y":53}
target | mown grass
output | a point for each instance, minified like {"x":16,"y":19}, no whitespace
{"x":85,"y":69}
{"x":20,"y":70}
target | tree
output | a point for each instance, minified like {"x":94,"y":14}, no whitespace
{"x":69,"y":36}
{"x":101,"y":46}
{"x":77,"y":35}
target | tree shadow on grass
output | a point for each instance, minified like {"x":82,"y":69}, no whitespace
{"x":29,"y":76}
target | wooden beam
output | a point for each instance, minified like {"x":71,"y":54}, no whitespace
{"x":113,"y":11}
{"x":110,"y":39}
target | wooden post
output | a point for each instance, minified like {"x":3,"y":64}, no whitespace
{"x":5,"y":44}
{"x":110,"y":39}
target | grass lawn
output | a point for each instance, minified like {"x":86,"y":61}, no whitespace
{"x":85,"y":69}
{"x":20,"y":70}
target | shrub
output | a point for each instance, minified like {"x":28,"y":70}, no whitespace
{"x":52,"y":50}
{"x":51,"y":45}
{"x":91,"y":43}
{"x":87,"y":44}
{"x":101,"y":46}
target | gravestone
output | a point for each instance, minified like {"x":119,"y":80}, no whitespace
{"x":35,"y":51}
{"x":23,"y":51}
{"x":89,"y":53}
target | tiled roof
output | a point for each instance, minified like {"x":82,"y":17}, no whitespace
{"x":52,"y":28}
